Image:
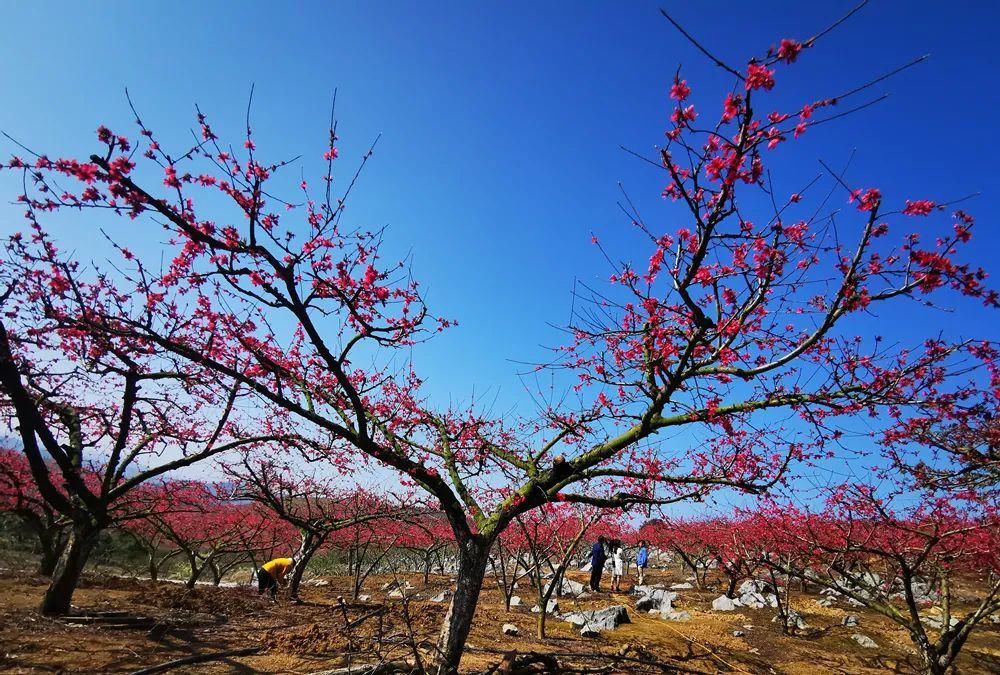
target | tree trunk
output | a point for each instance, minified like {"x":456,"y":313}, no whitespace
{"x":66,"y":574}
{"x":195,"y":571}
{"x":731,"y":591}
{"x":473,"y":557}
{"x":307,"y":549}
{"x":154,"y":569}
{"x":52,"y":550}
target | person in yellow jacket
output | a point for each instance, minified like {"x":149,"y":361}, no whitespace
{"x":272,"y":573}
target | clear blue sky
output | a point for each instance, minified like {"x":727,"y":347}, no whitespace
{"x":502,"y":123}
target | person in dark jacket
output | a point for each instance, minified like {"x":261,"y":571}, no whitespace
{"x":597,"y":558}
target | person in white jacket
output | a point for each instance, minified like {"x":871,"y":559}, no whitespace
{"x":617,"y":565}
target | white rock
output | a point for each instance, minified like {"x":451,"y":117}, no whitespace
{"x":441,"y":597}
{"x":551,"y":608}
{"x":724,"y":604}
{"x":682,"y":587}
{"x":864,"y":641}
{"x":674,"y":615}
{"x":590,"y":631}
{"x":608,"y":618}
{"x":738,"y":633}
{"x":850,"y":621}
{"x":515,"y":601}
{"x":364,"y":598}
{"x":510,"y":629}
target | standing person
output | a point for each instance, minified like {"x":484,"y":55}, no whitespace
{"x":271,"y":574}
{"x":641,"y":560}
{"x":617,"y":566}
{"x":597,"y":559}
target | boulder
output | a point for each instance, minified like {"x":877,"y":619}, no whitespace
{"x":654,"y":599}
{"x":754,"y":586}
{"x":567,"y":587}
{"x":864,"y":641}
{"x":686,"y":586}
{"x":510,"y":629}
{"x":589,"y":631}
{"x":757,"y":600}
{"x":441,"y":597}
{"x":724,"y":604}
{"x":515,"y":601}
{"x":850,"y":621}
{"x":647,"y":604}
{"x":608,"y":618}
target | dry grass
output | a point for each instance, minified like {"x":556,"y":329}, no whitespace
{"x":310,"y":637}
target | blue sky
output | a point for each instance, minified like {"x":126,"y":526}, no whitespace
{"x":501,"y":125}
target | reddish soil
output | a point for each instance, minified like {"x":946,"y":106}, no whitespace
{"x":311,"y":637}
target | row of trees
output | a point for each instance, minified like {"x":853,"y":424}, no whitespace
{"x":277,"y":328}
{"x":896,"y":554}
{"x":244,"y":520}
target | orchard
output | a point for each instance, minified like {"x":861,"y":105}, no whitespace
{"x":221,"y":438}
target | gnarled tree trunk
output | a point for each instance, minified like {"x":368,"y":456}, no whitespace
{"x":67,"y":570}
{"x":307,"y":549}
{"x":473,"y":557}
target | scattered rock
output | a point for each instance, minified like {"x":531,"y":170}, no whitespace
{"x":364,"y":598}
{"x":551,"y":608}
{"x":397,"y":584}
{"x":510,"y":629}
{"x":515,"y":601}
{"x":589,"y":631}
{"x":647,"y":589}
{"x":864,"y":641}
{"x":724,"y":604}
{"x":738,"y":633}
{"x":995,"y":618}
{"x":850,"y":621}
{"x":825,"y":601}
{"x":936,"y":621}
{"x":441,"y":597}
{"x":608,"y":618}
{"x":675,"y":615}
{"x":686,"y":586}
{"x":793,"y":620}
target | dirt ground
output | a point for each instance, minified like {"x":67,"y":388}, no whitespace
{"x":311,"y":637}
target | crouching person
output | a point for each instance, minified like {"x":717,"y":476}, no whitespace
{"x":272,"y":574}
